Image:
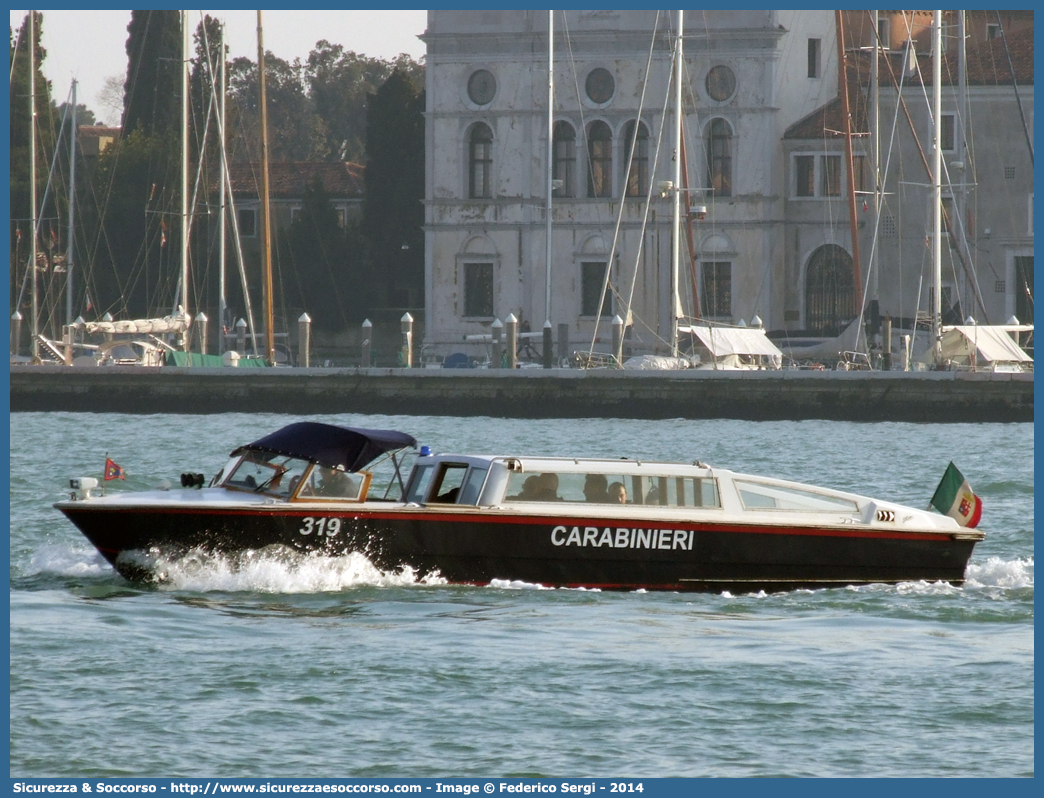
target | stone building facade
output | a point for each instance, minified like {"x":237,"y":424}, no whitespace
{"x":759,"y":111}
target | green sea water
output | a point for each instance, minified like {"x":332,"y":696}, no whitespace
{"x":330,"y":668}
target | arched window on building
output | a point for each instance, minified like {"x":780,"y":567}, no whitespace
{"x":636,"y":135}
{"x":829,"y":292}
{"x":719,"y":158}
{"x":600,"y":160}
{"x":480,"y":162}
{"x":564,"y":165}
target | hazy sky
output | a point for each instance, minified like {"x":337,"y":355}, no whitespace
{"x":91,"y":45}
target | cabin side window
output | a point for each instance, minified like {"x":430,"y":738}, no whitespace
{"x":679,"y":491}
{"x":472,"y":487}
{"x":417,"y":488}
{"x":449,"y":479}
{"x":618,"y":488}
{"x":763,"y":496}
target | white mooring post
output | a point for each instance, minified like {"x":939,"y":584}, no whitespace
{"x":201,"y":324}
{"x":304,"y":340}
{"x":618,"y":326}
{"x":16,"y":333}
{"x":406,"y":325}
{"x":512,"y":341}
{"x":497,"y":330}
{"x":548,"y":351}
{"x":241,"y":327}
{"x":367,"y":342}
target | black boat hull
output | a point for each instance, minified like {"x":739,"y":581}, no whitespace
{"x":476,"y":547}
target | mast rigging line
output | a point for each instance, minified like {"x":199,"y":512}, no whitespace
{"x":623,"y":198}
{"x":1015,"y":86}
{"x":233,"y":216}
{"x":43,"y":204}
{"x":583,"y":121}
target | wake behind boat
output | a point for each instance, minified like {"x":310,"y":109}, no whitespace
{"x":565,"y":522}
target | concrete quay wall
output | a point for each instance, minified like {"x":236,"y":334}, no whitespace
{"x":531,"y":393}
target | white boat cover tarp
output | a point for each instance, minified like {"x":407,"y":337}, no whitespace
{"x":724,"y":341}
{"x":168,"y":324}
{"x":656,"y":363}
{"x":991,"y":343}
{"x":847,"y":341}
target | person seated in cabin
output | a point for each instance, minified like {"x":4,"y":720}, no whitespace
{"x":449,"y":497}
{"x":529,"y":490}
{"x":596,"y":489}
{"x":618,"y":493}
{"x":276,"y":482}
{"x":334,"y":483}
{"x":547,"y":488}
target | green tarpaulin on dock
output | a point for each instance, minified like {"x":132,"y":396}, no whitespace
{"x":212,"y":361}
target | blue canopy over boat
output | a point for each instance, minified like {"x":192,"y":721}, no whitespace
{"x":349,"y":448}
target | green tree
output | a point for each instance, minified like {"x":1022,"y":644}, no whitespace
{"x":393,"y":211}
{"x":321,"y":264}
{"x":133,"y":227}
{"x":152,"y":92}
{"x":295,"y":132}
{"x":340,"y":83}
{"x":21,"y":137}
{"x":84,"y":115}
{"x":203,"y":90}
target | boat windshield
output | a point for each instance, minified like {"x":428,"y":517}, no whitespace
{"x":272,"y":474}
{"x":333,"y":483}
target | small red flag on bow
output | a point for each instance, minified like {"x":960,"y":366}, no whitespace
{"x":113,"y":470}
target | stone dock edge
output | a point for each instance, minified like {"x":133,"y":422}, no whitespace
{"x":532,"y":393}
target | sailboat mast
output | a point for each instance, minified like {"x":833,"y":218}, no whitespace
{"x":550,"y":153}
{"x":676,"y":219}
{"x":846,"y":113}
{"x":31,"y":50}
{"x":960,"y":221}
{"x":185,"y":50}
{"x":937,"y":187}
{"x":266,"y":219}
{"x":875,"y":141}
{"x":72,"y":212}
{"x":224,"y":207}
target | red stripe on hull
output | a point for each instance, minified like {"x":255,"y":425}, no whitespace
{"x":475,"y":518}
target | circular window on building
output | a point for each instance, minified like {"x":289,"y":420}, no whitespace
{"x":600,"y":86}
{"x":721,"y":83}
{"x":482,"y":86}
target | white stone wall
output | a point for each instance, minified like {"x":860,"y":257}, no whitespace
{"x":759,"y":228}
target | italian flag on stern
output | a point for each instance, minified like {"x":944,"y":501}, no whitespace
{"x":954,"y":497}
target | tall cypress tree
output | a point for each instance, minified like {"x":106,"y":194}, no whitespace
{"x":152,"y":93}
{"x":20,"y":138}
{"x":394,"y":211}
